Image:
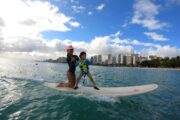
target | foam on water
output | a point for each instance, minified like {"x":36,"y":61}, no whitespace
{"x":99,"y":98}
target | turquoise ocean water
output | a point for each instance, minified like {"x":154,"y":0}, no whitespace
{"x":23,"y":97}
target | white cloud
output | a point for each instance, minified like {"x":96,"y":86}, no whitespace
{"x":117,"y":40}
{"x":89,"y":13}
{"x":26,"y":44}
{"x":39,"y":48}
{"x":174,"y":2}
{"x":21,"y":25}
{"x":2,"y":23}
{"x":137,"y":42}
{"x":120,"y":41}
{"x":149,"y":48}
{"x":155,"y":36}
{"x":145,"y":12}
{"x":117,"y":34}
{"x":162,"y":51}
{"x":78,"y":8}
{"x":30,"y":18}
{"x":31,"y":55}
{"x":74,"y":24}
{"x":102,"y":45}
{"x":74,"y":2}
{"x":100,"y":7}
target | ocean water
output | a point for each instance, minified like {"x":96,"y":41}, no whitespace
{"x":23,"y":97}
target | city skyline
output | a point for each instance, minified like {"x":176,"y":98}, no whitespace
{"x":110,"y":59}
{"x":133,"y":60}
{"x":118,"y":59}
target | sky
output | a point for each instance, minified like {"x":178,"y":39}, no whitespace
{"x":41,"y":29}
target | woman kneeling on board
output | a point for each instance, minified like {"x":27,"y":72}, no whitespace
{"x":84,"y":66}
{"x":71,"y":60}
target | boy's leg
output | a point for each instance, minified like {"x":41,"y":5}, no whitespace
{"x":91,"y":78}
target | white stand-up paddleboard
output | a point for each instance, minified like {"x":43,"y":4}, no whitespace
{"x":111,"y":91}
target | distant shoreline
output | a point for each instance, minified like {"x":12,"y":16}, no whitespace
{"x":155,"y":68}
{"x":159,"y":68}
{"x":150,"y":68}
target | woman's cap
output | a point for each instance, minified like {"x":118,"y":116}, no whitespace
{"x":70,"y":47}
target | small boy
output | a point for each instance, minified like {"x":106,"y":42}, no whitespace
{"x":84,"y":66}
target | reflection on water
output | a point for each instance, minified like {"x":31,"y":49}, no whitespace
{"x":16,"y":115}
{"x":9,"y":93}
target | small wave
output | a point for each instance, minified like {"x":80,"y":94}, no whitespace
{"x":99,"y":98}
{"x":41,"y":80}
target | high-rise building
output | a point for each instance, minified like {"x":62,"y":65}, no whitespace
{"x":95,"y":59}
{"x":92,"y":60}
{"x":106,"y":62}
{"x":109,"y":58}
{"x":152,"y":57}
{"x":99,"y":59}
{"x":135,"y":58}
{"x":114,"y":60}
{"x":128,"y":60}
{"x":123,"y":60}
{"x":119,"y":59}
{"x":141,"y":59}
